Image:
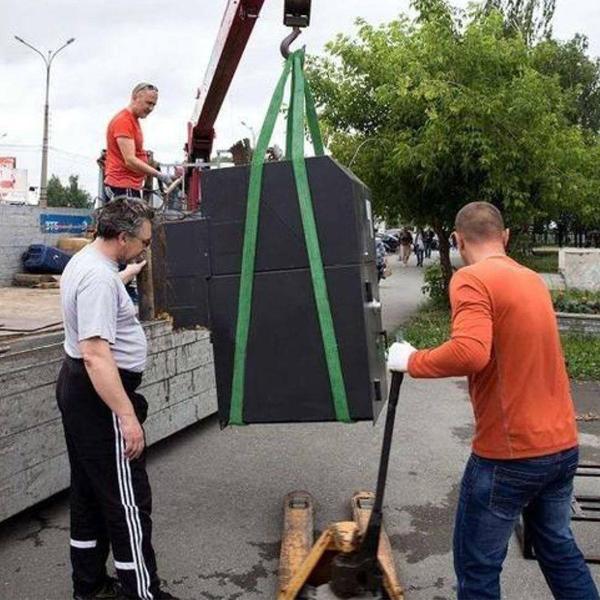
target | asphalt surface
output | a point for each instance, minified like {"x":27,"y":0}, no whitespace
{"x":218,"y":495}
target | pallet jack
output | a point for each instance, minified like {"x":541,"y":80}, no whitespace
{"x":355,"y":557}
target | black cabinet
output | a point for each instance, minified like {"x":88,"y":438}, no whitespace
{"x":286,"y":373}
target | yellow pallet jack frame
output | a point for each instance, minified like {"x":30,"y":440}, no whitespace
{"x":352,"y":556}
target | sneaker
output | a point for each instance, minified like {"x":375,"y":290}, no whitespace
{"x":162,"y":595}
{"x":109,"y":591}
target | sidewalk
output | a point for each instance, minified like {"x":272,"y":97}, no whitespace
{"x":218,"y":496}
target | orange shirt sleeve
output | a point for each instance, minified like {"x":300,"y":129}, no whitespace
{"x":469,"y":349}
{"x":123,"y":127}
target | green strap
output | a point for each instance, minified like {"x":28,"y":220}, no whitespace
{"x":249,"y":250}
{"x":311,"y":238}
{"x":313,"y":121}
{"x":290,"y":120}
{"x":311,"y":118}
{"x":295,"y":150}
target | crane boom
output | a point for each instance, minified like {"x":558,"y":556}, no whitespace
{"x":236,"y":27}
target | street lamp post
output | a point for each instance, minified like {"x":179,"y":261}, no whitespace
{"x":251,"y":131}
{"x":48,"y":62}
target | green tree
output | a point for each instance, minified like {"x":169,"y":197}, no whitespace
{"x":70,"y":195}
{"x":532,"y":19}
{"x":450,"y":110}
{"x":577,"y":73}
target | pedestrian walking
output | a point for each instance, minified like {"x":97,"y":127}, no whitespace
{"x":419,"y":247}
{"x":406,"y":239}
{"x":428,"y":238}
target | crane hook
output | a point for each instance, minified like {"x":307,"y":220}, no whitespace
{"x":287,"y":42}
{"x":296,"y":14}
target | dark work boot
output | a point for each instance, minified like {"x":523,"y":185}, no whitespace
{"x":108,"y":591}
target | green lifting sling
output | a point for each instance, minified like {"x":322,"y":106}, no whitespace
{"x":301,"y":99}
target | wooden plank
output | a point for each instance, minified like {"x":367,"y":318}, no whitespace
{"x":176,"y":417}
{"x":36,"y":483}
{"x":33,"y":279}
{"x":157,"y":328}
{"x":24,"y":450}
{"x":28,"y":487}
{"x":31,"y":357}
{"x":27,"y":324}
{"x":179,"y":386}
{"x":27,"y":409}
{"x":72,"y":245}
{"x":28,"y":447}
{"x":29,"y":378}
{"x":191,"y":356}
{"x":146,"y":289}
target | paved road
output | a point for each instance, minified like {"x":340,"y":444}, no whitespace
{"x":218,"y":496}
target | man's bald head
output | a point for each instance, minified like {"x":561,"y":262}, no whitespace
{"x":479,"y":222}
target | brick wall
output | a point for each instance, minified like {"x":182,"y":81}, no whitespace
{"x":20,"y":227}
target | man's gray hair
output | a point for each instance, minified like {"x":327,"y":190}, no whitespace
{"x":122,"y":215}
{"x":143,"y":85}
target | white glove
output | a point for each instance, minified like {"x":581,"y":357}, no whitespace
{"x":165,"y":178}
{"x":398,"y":356}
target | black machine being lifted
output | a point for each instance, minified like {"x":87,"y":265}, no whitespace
{"x":199,"y":266}
{"x":288,"y":373}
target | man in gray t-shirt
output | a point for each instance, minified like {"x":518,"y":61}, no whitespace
{"x":96,"y":305}
{"x":102,"y":413}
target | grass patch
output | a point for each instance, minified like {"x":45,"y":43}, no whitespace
{"x":431,"y":327}
{"x":541,"y":263}
{"x":576,"y":301}
{"x":582,"y":353}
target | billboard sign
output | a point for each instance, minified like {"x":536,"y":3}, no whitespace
{"x":8,"y":162}
{"x":57,"y":223}
{"x":13,"y":181}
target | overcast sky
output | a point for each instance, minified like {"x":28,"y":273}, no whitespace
{"x":119,"y":43}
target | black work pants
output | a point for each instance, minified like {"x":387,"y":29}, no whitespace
{"x":111,"y":500}
{"x":111,"y":191}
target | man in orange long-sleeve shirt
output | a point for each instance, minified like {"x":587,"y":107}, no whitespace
{"x":505,"y":340}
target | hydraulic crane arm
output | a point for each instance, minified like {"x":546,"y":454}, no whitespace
{"x":236,"y":27}
{"x":234,"y":33}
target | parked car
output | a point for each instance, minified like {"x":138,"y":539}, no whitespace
{"x":390,"y":241}
{"x":380,"y":260}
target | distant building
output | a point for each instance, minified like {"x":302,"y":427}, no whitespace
{"x":13,"y":183}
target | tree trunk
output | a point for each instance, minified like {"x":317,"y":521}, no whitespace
{"x":444,"y":249}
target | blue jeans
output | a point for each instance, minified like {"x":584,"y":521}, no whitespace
{"x":493,"y":495}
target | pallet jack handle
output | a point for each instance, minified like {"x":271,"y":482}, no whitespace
{"x":371,"y":539}
{"x":352,"y":573}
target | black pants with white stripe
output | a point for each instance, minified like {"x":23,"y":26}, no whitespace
{"x":111,"y":500}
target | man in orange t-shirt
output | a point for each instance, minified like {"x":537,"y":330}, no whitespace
{"x":126,"y":164}
{"x":505,"y":340}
